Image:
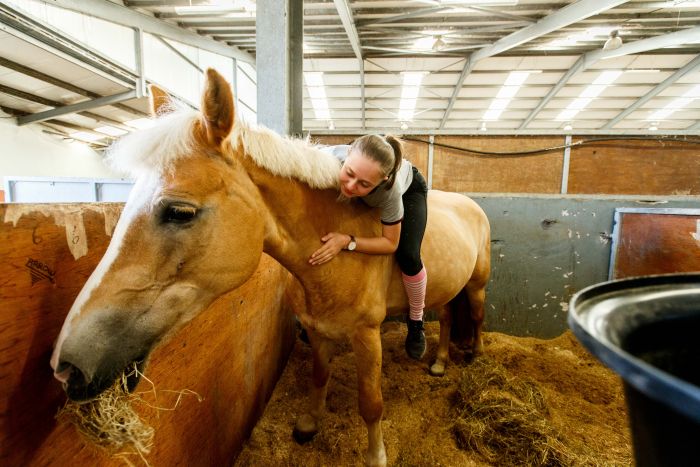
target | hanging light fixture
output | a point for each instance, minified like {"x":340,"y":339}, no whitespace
{"x":614,"y":41}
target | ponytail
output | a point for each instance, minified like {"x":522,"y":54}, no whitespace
{"x":398,"y":158}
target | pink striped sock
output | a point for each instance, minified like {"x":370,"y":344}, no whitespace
{"x":415,"y":291}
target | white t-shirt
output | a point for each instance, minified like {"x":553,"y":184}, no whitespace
{"x":388,"y":201}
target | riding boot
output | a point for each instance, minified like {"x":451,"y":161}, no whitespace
{"x":415,"y":340}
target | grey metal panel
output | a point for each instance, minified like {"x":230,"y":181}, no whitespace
{"x":546,"y":248}
{"x":279,"y":43}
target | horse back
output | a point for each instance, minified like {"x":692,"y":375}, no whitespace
{"x":456,"y":237}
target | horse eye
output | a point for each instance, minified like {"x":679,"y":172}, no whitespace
{"x":179,"y":213}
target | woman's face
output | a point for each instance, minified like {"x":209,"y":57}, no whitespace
{"x":359,"y":175}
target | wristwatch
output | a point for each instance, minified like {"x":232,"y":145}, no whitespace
{"x":353,"y":243}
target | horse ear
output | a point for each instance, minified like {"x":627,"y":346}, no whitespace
{"x":158,"y":100}
{"x":217,"y":107}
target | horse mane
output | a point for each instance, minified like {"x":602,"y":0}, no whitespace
{"x":171,"y":138}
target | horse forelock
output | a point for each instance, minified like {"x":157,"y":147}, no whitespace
{"x":172,"y":137}
{"x":156,"y":148}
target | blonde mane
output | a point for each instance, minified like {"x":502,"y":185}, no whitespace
{"x":170,"y":139}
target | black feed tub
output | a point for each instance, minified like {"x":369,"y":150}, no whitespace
{"x":647,"y":330}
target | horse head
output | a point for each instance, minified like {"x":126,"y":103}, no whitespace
{"x":190,"y":231}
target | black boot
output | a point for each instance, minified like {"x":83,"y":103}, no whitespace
{"x":415,"y":340}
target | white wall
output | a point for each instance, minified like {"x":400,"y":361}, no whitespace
{"x":28,"y":151}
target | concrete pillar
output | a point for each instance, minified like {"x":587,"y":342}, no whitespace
{"x":279,"y":42}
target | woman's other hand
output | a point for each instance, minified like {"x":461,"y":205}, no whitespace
{"x":333,"y":243}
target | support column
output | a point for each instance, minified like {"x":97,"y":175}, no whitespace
{"x":279,"y":42}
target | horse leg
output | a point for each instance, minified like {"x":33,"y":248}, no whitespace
{"x":307,"y":425}
{"x":443,"y":352}
{"x":477,"y":295}
{"x":367,"y":346}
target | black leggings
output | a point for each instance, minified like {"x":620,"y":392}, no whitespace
{"x":415,"y":216}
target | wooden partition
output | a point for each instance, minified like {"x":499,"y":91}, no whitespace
{"x":595,"y":165}
{"x":231,"y":354}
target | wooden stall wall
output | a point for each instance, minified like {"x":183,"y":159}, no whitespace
{"x":455,"y":170}
{"x":622,"y":166}
{"x":635,"y":167}
{"x":231,"y":354}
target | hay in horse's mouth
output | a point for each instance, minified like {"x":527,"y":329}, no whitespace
{"x":109,"y":421}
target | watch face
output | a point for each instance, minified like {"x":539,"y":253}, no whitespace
{"x":352,"y":245}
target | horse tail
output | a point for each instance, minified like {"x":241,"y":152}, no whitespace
{"x":467,"y":307}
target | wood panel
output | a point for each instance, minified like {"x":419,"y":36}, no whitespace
{"x":635,"y":167}
{"x":414,"y":151}
{"x":655,"y":243}
{"x":455,"y":170}
{"x":231,"y":354}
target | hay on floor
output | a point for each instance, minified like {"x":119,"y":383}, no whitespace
{"x":503,"y":418}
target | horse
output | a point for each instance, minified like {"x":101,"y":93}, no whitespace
{"x":212,"y":193}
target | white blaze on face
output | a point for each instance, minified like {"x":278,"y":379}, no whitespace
{"x":139,"y":201}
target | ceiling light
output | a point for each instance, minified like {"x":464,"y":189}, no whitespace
{"x":483,"y":126}
{"x":509,"y":89}
{"x":317,"y":93}
{"x":111,"y":131}
{"x":653,"y":128}
{"x":677,"y":103}
{"x":480,"y":2}
{"x":614,"y":41}
{"x":85,"y":136}
{"x":331,"y":125}
{"x":404,"y":126}
{"x":425,"y":43}
{"x":568,"y":127}
{"x":409,"y":93}
{"x":588,"y":94}
{"x":140,"y":123}
{"x":439,"y":44}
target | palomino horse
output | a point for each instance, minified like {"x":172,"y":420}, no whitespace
{"x":211,"y":195}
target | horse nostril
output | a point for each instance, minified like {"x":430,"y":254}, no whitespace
{"x":63,"y":371}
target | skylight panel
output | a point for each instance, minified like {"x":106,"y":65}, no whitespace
{"x":317,"y":92}
{"x":509,"y":89}
{"x":409,"y":94}
{"x":676,"y":104}
{"x":591,"y":91}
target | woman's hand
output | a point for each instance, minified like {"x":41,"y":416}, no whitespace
{"x":333,"y":243}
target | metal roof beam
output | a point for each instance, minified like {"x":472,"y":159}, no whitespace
{"x":413,"y":14}
{"x":688,"y":68}
{"x":61,"y":84}
{"x":345,"y":13}
{"x":588,"y":59}
{"x":346,"y":18}
{"x":115,"y":13}
{"x":567,"y":15}
{"x":80,"y":106}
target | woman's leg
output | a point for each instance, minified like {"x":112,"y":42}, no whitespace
{"x":415,"y":277}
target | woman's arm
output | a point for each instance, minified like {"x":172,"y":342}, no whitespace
{"x":334,"y":242}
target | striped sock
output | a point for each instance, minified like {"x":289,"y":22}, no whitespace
{"x":415,"y":291}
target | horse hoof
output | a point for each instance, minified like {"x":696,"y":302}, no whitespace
{"x":305,"y":429}
{"x":437,"y":369}
{"x":303,"y":437}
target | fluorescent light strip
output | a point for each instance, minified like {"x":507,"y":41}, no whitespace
{"x":592,"y":91}
{"x":676,"y":104}
{"x":111,"y":131}
{"x":409,"y":94}
{"x":509,"y":89}
{"x":317,"y":93}
{"x":140,"y":123}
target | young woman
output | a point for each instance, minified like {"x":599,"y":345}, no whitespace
{"x":375,"y":171}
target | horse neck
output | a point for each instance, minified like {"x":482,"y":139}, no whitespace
{"x":297,"y":217}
